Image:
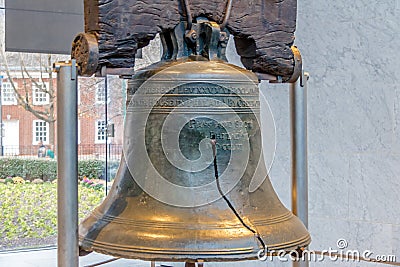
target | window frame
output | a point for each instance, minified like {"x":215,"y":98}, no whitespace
{"x":3,"y":91}
{"x":100,"y":87}
{"x":96,"y":135}
{"x":36,"y":142}
{"x":34,"y":93}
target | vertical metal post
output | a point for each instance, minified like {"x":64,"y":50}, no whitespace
{"x":298,"y":117}
{"x":106,"y":126}
{"x":67,"y":163}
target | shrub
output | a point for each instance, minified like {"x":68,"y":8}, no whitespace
{"x":46,"y":170}
{"x":95,"y":169}
{"x":10,"y":167}
{"x":30,"y":169}
{"x":91,"y":169}
{"x":40,"y":169}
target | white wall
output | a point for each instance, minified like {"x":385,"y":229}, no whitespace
{"x":351,"y":49}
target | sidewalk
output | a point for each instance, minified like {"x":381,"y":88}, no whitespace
{"x":48,"y":258}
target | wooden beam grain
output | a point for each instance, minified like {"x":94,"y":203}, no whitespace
{"x":263,"y":29}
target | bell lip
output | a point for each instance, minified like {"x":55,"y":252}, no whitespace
{"x":214,"y":255}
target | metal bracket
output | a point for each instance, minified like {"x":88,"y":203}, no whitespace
{"x":110,"y":130}
{"x":204,"y":38}
{"x":268,"y":77}
{"x":304,"y":77}
{"x":123,"y":73}
{"x":298,"y":65}
{"x":208,"y":40}
{"x":73,"y":70}
{"x":297,"y":70}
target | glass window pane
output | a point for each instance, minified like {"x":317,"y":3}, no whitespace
{"x":29,"y":211}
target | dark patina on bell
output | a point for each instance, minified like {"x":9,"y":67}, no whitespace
{"x":192,"y":183}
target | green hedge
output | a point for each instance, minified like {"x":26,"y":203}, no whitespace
{"x":92,"y":169}
{"x":46,"y":169}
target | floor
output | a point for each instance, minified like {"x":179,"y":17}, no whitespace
{"x":48,"y":258}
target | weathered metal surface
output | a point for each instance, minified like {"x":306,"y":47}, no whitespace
{"x":263,"y":29}
{"x":183,"y":217}
{"x":192,"y":184}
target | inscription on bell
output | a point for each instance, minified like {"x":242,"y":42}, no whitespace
{"x":232,"y":102}
{"x":238,"y":124}
{"x":203,"y":88}
{"x":195,"y":95}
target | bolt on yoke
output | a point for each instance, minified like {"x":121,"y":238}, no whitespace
{"x":204,"y":38}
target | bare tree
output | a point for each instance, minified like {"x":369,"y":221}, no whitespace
{"x":32,"y":73}
{"x":89,"y":87}
{"x":35,"y":73}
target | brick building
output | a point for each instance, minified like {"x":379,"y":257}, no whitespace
{"x":23,"y":130}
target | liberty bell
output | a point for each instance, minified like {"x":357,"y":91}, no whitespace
{"x":192,"y":182}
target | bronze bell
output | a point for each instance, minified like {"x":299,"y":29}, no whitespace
{"x":192,"y":183}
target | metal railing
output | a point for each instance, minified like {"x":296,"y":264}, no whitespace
{"x":85,"y":151}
